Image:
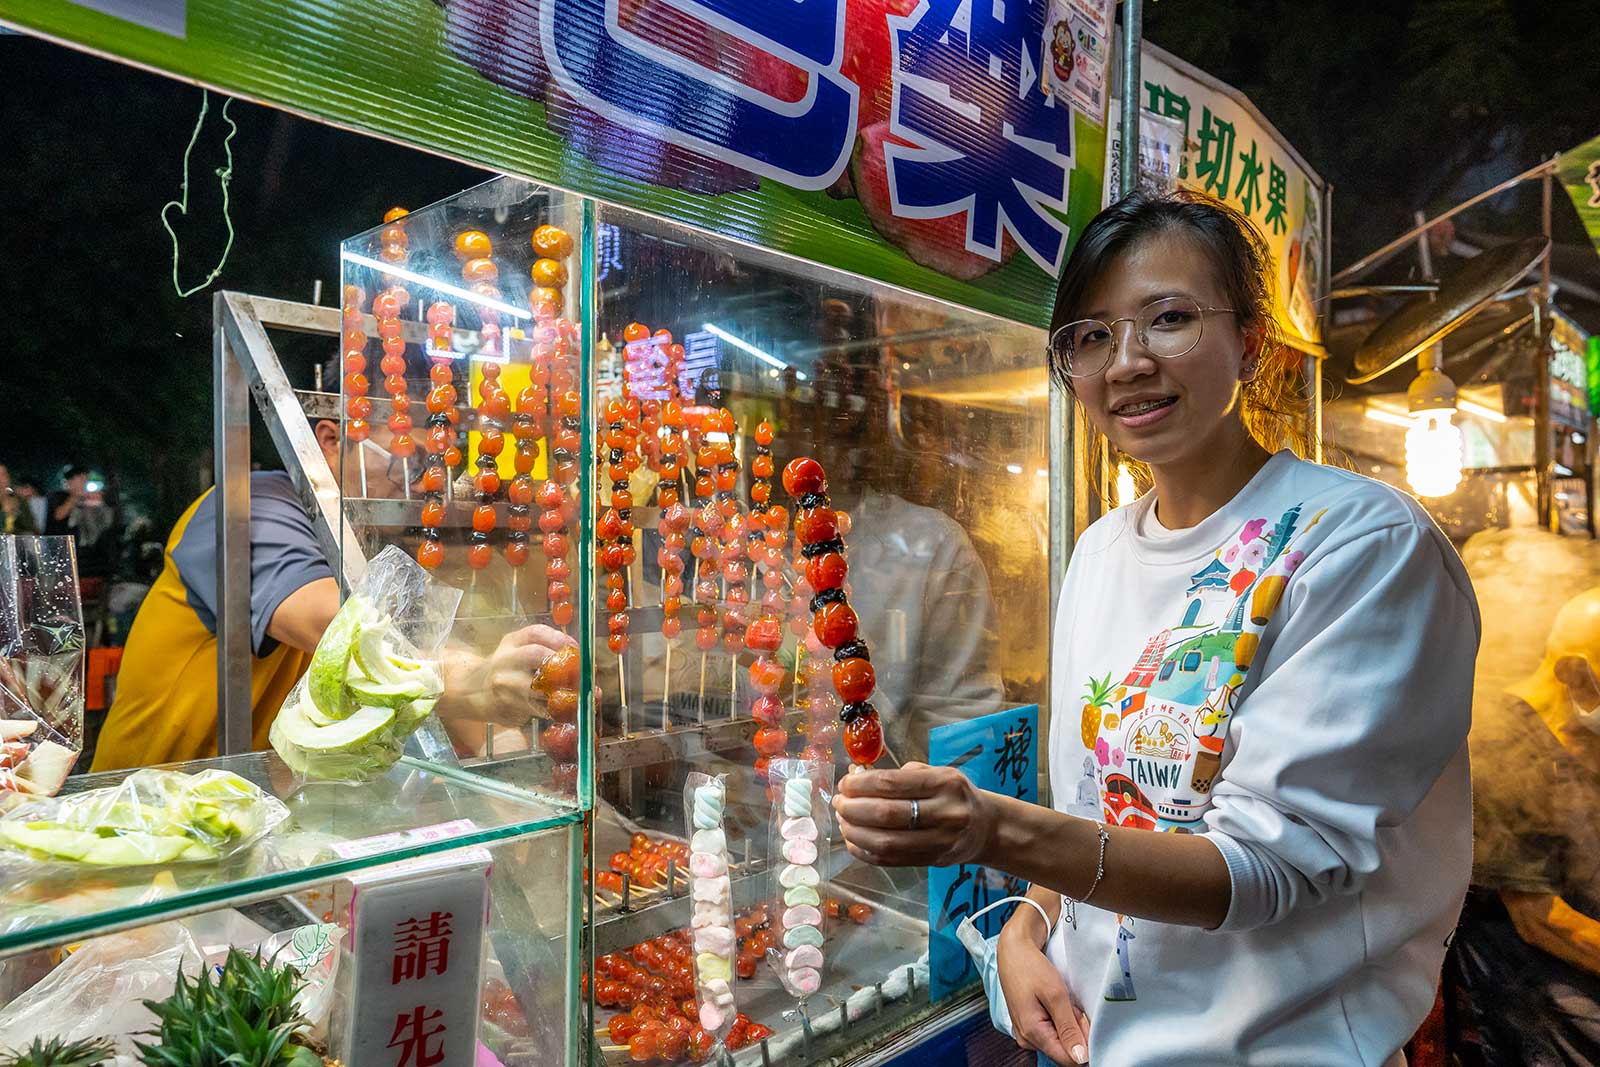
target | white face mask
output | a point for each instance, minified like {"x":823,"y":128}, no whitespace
{"x":986,"y":959}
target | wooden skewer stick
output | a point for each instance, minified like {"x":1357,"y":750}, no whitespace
{"x":701,"y":713}
{"x":622,"y":687}
{"x":666,"y":687}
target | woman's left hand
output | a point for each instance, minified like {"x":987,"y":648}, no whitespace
{"x":917,"y":816}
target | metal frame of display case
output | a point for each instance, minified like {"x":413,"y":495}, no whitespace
{"x":245,"y":364}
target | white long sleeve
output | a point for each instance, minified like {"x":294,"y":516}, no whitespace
{"x":1350,"y":724}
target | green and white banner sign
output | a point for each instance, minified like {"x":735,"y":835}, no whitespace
{"x":910,"y":141}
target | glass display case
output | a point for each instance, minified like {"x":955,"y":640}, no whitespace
{"x":590,"y":439}
{"x":578,"y":417}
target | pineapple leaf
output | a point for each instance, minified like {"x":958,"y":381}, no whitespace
{"x":58,"y":1053}
{"x":241,"y":1014}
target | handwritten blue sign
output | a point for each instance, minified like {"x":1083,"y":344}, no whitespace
{"x":1000,"y":753}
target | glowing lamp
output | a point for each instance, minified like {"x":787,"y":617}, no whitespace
{"x":1433,"y":441}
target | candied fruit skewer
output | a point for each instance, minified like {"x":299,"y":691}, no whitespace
{"x":441,"y":405}
{"x":357,"y":405}
{"x":558,"y":510}
{"x":728,"y":522}
{"x":387,"y":312}
{"x":674,"y":526}
{"x":493,"y":410}
{"x":818,"y":529}
{"x":707,"y":522}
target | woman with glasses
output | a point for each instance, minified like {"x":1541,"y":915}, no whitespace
{"x":1262,"y":670}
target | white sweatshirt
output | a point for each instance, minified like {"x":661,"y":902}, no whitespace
{"x":1293,"y":679}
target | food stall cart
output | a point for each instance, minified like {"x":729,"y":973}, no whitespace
{"x":572,"y":409}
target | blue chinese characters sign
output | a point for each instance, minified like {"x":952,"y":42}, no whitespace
{"x":1000,"y":753}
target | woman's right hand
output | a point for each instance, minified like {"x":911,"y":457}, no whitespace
{"x":1044,"y":1017}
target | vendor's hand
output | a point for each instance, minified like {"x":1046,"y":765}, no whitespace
{"x":499,"y":688}
{"x":954,"y":819}
{"x":1044,"y":1017}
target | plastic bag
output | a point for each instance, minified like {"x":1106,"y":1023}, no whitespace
{"x":99,"y":990}
{"x":799,"y":832}
{"x":41,"y":664}
{"x":715,"y":944}
{"x":151,"y":817}
{"x":374,"y":678}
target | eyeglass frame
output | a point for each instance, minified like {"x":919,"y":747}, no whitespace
{"x":1111,"y":328}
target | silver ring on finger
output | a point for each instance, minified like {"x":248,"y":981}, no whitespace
{"x":915,"y":814}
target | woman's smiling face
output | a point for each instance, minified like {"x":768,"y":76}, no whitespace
{"x":1165,"y":411}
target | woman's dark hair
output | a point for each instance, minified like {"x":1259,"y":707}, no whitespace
{"x":1272,"y":407}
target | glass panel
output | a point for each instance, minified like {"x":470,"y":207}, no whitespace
{"x":525,"y":1000}
{"x":932,"y":425}
{"x":448,"y":807}
{"x":465,"y":382}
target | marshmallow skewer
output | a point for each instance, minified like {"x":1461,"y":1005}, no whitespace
{"x":801,"y":920}
{"x":711,"y":889}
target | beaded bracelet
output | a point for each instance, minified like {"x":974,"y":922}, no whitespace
{"x":1070,"y":903}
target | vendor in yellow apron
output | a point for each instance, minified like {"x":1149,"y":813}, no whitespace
{"x":165,"y":709}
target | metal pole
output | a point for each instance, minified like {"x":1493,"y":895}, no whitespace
{"x":1432,"y":357}
{"x":1316,"y":399}
{"x":1060,"y":488}
{"x":1372,"y":259}
{"x":1132,"y":87}
{"x":1542,"y":456}
{"x":231,"y":447}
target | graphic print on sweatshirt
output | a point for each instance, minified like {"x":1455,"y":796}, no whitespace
{"x":1157,"y":730}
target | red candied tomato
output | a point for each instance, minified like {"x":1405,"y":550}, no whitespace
{"x":816,"y":524}
{"x":853,"y":680}
{"x":826,"y":571}
{"x":804,"y":475}
{"x":863,"y":740}
{"x":764,"y":635}
{"x":834,"y":624}
{"x":560,"y":741}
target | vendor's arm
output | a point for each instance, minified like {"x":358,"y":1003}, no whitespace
{"x":304,"y":614}
{"x":293,"y":594}
{"x":1361,"y":702}
{"x":1550,"y":924}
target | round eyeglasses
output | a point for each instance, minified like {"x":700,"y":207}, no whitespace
{"x":1168,"y":328}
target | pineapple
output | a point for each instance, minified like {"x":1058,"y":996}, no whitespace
{"x":58,"y":1053}
{"x":244,"y":1016}
{"x":1096,"y":696}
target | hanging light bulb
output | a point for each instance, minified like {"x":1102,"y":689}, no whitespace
{"x":1433,"y":443}
{"x":1126,"y":490}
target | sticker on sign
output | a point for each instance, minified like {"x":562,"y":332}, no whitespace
{"x":166,"y":16}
